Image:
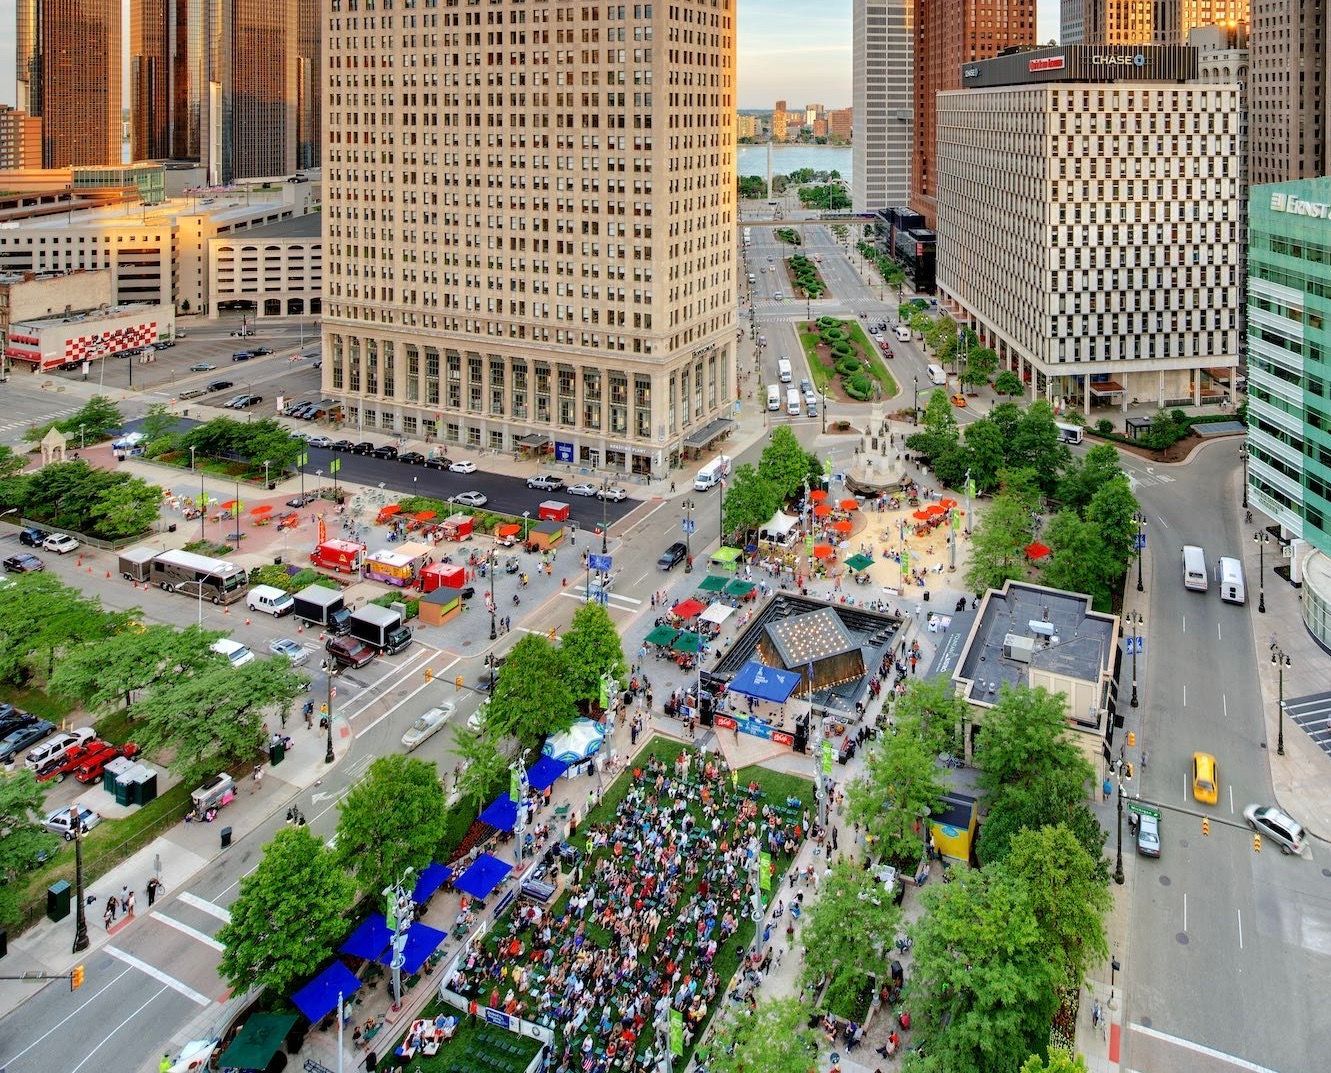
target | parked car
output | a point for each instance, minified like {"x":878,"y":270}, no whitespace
{"x":285,"y":646}
{"x":544,"y":482}
{"x":365,"y":447}
{"x":302,"y":500}
{"x":260,"y":351}
{"x":60,"y":543}
{"x":412,"y":458}
{"x":62,"y":820}
{"x":234,"y":401}
{"x":32,"y":537}
{"x":350,"y":651}
{"x":320,"y":441}
{"x":1148,"y":836}
{"x":613,"y":493}
{"x":220,"y":385}
{"x":57,"y":745}
{"x":387,"y":451}
{"x":23,"y":737}
{"x":340,"y":445}
{"x":1277,"y":825}
{"x":194,"y":393}
{"x":470,"y":499}
{"x":241,"y":355}
{"x":55,"y":768}
{"x":164,"y":344}
{"x":581,"y":489}
{"x":23,"y":563}
{"x":427,"y":725}
{"x":438,"y":462}
{"x":672,"y":556}
{"x":250,"y":400}
{"x":202,"y":367}
{"x":12,"y":719}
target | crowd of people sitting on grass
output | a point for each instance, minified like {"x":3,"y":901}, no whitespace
{"x":665,"y":885}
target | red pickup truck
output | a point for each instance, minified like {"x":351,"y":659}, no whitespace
{"x":55,"y":769}
{"x":90,"y":770}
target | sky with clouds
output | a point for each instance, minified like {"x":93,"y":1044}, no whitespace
{"x":798,"y":50}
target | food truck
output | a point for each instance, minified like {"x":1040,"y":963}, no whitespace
{"x":553,"y":511}
{"x":457,"y":527}
{"x":344,"y":556}
{"x":389,"y":567}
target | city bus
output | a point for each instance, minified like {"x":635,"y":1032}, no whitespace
{"x":1069,"y":433}
{"x":198,"y":575}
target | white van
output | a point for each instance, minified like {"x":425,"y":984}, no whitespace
{"x":773,"y":397}
{"x":712,"y":474}
{"x":1194,"y":568}
{"x":793,"y":402}
{"x":236,"y":653}
{"x":783,"y":370}
{"x":1229,"y":572}
{"x":270,"y":600}
{"x":937,"y":375}
{"x":753,"y":278}
{"x":902,"y":332}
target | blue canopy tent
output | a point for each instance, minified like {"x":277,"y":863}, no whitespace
{"x":318,"y":998}
{"x":482,"y":877}
{"x":501,"y":813}
{"x":764,"y":683}
{"x":421,"y":943}
{"x":369,"y":940}
{"x":542,"y":774}
{"x":434,"y":877}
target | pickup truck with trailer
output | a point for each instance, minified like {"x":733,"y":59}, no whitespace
{"x":321,"y":606}
{"x":381,"y":628}
{"x":56,"y":768}
{"x":90,"y":770}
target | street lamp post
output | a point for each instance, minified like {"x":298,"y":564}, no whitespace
{"x":81,"y":941}
{"x":236,"y":510}
{"x":605,"y":488}
{"x":720,"y":513}
{"x":1134,"y":617}
{"x":915,"y":414}
{"x":330,"y":665}
{"x":1262,"y":537}
{"x":1118,"y":864}
{"x":1140,"y":519}
{"x":82,"y":440}
{"x":1243,"y":454}
{"x":688,"y":535}
{"x":494,"y":562}
{"x":1281,"y":661}
{"x":266,"y":486}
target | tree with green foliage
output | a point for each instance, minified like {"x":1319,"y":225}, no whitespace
{"x":784,"y":463}
{"x":831,"y":197}
{"x":591,"y":649}
{"x":108,"y":674}
{"x":11,"y":463}
{"x":984,"y":992}
{"x":847,"y":935}
{"x":483,"y":764}
{"x":253,"y":442}
{"x":532,"y":698}
{"x":128,"y":508}
{"x":941,"y":713}
{"x":981,"y":362}
{"x":1111,"y":511}
{"x":1080,"y":561}
{"x":77,"y":496}
{"x":938,"y":433}
{"x":40,"y":619}
{"x":773,"y":1038}
{"x":393,"y":819}
{"x":1068,"y":891}
{"x":1058,"y":1061}
{"x":215,"y":717}
{"x":1026,"y":742}
{"x":752,"y":187}
{"x":751,"y":500}
{"x":289,"y":915}
{"x":1037,"y":446}
{"x":1086,"y":475}
{"x":1008,"y":383}
{"x":1031,"y":808}
{"x":158,"y":421}
{"x":23,"y":842}
{"x":99,"y":417}
{"x":988,"y":454}
{"x":999,"y":540}
{"x":899,"y":783}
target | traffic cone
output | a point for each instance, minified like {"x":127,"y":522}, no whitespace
{"x":300,"y":626}
{"x":247,"y":622}
{"x":108,"y":573}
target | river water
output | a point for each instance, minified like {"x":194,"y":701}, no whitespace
{"x":752,"y":159}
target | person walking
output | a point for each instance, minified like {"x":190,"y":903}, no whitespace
{"x":164,"y":1066}
{"x":154,"y":885}
{"x":109,"y":916}
{"x":256,"y":779}
{"x":129,"y":904}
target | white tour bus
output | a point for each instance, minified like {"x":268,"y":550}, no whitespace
{"x":1070,"y":433}
{"x":783,"y":370}
{"x":1194,"y":568}
{"x":793,"y":406}
{"x":198,"y":575}
{"x":1230,"y":574}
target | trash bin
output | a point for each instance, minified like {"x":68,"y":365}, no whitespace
{"x":57,"y":900}
{"x":226,"y":837}
{"x":276,"y":752}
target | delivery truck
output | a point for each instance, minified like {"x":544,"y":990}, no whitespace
{"x":381,"y":628}
{"x":321,"y":606}
{"x":136,"y":563}
{"x":345,"y":556}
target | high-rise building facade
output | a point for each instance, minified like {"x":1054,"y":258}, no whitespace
{"x":779,"y":122}
{"x":1088,"y":228}
{"x":1118,"y":22}
{"x":1071,"y":22}
{"x":841,"y":123}
{"x":20,"y":139}
{"x":881,"y":61}
{"x":534,"y":247}
{"x":1161,"y":22}
{"x":68,"y":68}
{"x":150,"y":76}
{"x":948,"y":35}
{"x":1288,"y":117}
{"x":309,"y":109}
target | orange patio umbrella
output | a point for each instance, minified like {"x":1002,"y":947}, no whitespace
{"x":933,"y":510}
{"x":822,"y":551}
{"x":230,"y":504}
{"x":261,"y":510}
{"x":850,"y":504}
{"x":921,"y":515}
{"x":817,"y":495}
{"x":1036,"y":550}
{"x":845,"y":525}
{"x":390,"y":509}
{"x":822,"y":510}
{"x":947,"y":502}
{"x":424,"y":515}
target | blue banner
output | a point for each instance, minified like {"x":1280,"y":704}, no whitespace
{"x":600,"y":562}
{"x":563,"y":452}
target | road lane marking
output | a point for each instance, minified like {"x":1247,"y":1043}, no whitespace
{"x":82,"y":1006}
{"x":1224,"y":705}
{"x":107,"y":1038}
{"x":1185,"y":911}
{"x":208,"y":907}
{"x":1231,"y":799}
{"x":375,"y":690}
{"x":1185,"y":694}
{"x":1198,"y":1048}
{"x":438,"y":674}
{"x":158,"y":975}
{"x":1217,"y":632}
{"x":193,"y":933}
{"x":1239,"y":913}
{"x":1160,"y":518}
{"x":643,"y":578}
{"x":1185,"y":623}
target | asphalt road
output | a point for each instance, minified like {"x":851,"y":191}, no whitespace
{"x":1230,"y":949}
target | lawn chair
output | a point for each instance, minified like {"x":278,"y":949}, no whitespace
{"x":562,"y":811}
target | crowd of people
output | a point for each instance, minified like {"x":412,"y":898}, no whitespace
{"x":664,"y":886}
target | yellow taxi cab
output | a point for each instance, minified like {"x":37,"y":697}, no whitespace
{"x":958,"y":400}
{"x":1205,"y":778}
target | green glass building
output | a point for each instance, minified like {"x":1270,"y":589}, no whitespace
{"x":1289,"y":376}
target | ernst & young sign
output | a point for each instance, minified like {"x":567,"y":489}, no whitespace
{"x":1296,"y":206}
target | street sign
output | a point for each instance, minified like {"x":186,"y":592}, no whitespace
{"x":1139,"y":542}
{"x":1143,"y":809}
{"x":688,"y":525}
{"x":1134,"y":644}
{"x":600,"y":562}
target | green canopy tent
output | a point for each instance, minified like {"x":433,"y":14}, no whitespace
{"x":740,"y":589}
{"x":726,"y":558}
{"x":859,"y":562}
{"x":687,"y":641}
{"x":662,"y":635}
{"x":712,"y":583}
{"x":257,"y":1042}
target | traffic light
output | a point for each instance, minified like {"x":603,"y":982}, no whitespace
{"x":323,"y":709}
{"x":1127,"y":771}
{"x":1206,"y":825}
{"x":1132,"y":739}
{"x":429,"y":674}
{"x":457,"y":682}
{"x":76,"y":977}
{"x":1257,"y":843}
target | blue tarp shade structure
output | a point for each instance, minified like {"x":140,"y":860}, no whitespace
{"x":483,"y":876}
{"x":542,"y":774}
{"x":421,"y":943}
{"x":318,"y":998}
{"x":501,"y":813}
{"x":369,"y":940}
{"x":434,"y":877}
{"x":765,"y":683}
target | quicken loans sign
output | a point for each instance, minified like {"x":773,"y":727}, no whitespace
{"x":1296,"y":206}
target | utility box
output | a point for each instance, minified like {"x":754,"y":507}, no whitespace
{"x":276,"y":753}
{"x":57,"y":900}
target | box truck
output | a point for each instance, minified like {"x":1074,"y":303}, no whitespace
{"x":381,"y":628}
{"x":321,"y":606}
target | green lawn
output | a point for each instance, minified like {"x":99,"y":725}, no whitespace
{"x":38,"y":702}
{"x":819,"y":373}
{"x":874,"y":357}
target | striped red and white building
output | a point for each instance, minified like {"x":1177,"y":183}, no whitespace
{"x":49,"y":342}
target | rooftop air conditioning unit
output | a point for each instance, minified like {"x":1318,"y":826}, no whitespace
{"x":1018,"y":648}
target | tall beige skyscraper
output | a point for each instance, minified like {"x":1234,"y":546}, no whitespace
{"x":68,"y":72}
{"x":529,"y":227}
{"x":1288,"y":118}
{"x":882,"y":59}
{"x":1138,"y":22}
